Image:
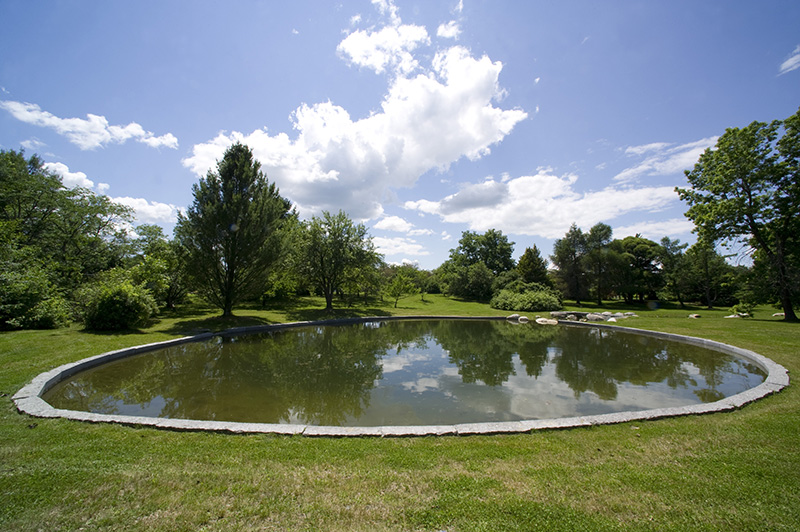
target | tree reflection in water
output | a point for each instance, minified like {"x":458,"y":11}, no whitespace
{"x":326,"y":375}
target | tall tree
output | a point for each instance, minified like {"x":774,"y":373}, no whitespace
{"x":711,"y":276}
{"x":597,"y":259}
{"x":568,"y":255}
{"x":491,"y":248}
{"x":674,"y":266}
{"x":334,"y":250}
{"x":748,"y":187}
{"x":532,"y":267}
{"x":232,"y":231}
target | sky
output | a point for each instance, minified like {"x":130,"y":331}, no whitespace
{"x":420,"y":119}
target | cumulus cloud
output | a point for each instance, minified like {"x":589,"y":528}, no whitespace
{"x":451,"y":30}
{"x":791,"y":63}
{"x":391,"y":46}
{"x":92,"y":132}
{"x":662,"y":159}
{"x":394,"y":223}
{"x":541,"y":205}
{"x":70,"y":179}
{"x":150,"y":211}
{"x":425,"y":122}
{"x":656,"y":230}
{"x":399,"y":246}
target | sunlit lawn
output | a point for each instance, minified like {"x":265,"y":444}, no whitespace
{"x":729,"y":471}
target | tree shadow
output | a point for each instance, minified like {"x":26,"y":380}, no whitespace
{"x":318,"y":314}
{"x":199,"y":325}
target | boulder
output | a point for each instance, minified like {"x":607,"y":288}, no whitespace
{"x":523,"y":319}
{"x":595,"y":317}
{"x":513,"y":317}
{"x":694,"y":316}
{"x":546,"y":321}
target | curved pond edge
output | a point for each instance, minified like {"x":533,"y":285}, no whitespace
{"x":28,"y":400}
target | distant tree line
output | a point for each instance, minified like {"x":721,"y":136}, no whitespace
{"x":72,"y":255}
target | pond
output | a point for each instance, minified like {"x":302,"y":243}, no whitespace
{"x":409,"y":372}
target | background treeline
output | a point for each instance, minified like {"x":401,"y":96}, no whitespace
{"x":73,"y":255}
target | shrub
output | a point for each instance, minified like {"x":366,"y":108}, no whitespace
{"x":529,"y":300}
{"x":114,"y":306}
{"x":28,"y":299}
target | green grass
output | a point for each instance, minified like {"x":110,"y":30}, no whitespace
{"x":729,"y":471}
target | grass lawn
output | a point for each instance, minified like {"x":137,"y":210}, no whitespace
{"x":728,"y":471}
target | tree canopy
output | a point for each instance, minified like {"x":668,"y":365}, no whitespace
{"x":334,"y":250}
{"x":232,"y":231}
{"x":748,"y":187}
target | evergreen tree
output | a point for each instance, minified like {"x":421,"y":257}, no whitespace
{"x":232,"y":232}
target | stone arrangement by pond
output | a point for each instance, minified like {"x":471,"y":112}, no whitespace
{"x":406,"y":376}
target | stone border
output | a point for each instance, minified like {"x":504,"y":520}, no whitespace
{"x":28,"y":400}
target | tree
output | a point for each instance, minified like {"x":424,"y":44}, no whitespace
{"x":232,"y":231}
{"x":532,"y":267}
{"x":334,"y":249}
{"x":491,"y":248}
{"x":597,"y":260}
{"x":568,"y":255}
{"x":673,"y":262}
{"x":641,"y":272}
{"x":748,"y":187}
{"x":711,"y":276}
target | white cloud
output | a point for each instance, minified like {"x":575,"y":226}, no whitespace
{"x":791,"y":63}
{"x":90,"y":133}
{"x":32,"y":144}
{"x":70,"y":179}
{"x":398,"y":246}
{"x":426,"y":122}
{"x":150,"y":211}
{"x":663,"y":160}
{"x":391,"y":46}
{"x":656,"y":230}
{"x":394,"y":223}
{"x":451,"y":30}
{"x":541,"y":205}
{"x":102,"y":188}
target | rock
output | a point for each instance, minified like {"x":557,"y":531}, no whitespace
{"x":513,"y":317}
{"x":595,"y":317}
{"x":572,"y":317}
{"x":694,"y":316}
{"x":523,"y":319}
{"x":612,"y":319}
{"x":546,"y":321}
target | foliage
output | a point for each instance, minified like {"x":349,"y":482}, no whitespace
{"x":532,"y":297}
{"x":532,"y":268}
{"x":114,"y":302}
{"x":232,"y":233}
{"x":748,"y":186}
{"x":28,"y":298}
{"x":335,"y":251}
{"x":567,"y":256}
{"x":401,"y":285}
{"x":73,"y":233}
{"x":491,"y":248}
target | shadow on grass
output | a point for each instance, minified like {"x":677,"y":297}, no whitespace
{"x":317,"y":314}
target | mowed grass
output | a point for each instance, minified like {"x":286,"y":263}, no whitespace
{"x":729,"y":471}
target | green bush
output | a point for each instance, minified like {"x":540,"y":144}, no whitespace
{"x":28,"y":299}
{"x":529,"y":300}
{"x":115,"y":306}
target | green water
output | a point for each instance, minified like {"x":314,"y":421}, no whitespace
{"x":422,"y":372}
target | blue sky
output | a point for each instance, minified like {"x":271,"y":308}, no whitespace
{"x":421,"y":119}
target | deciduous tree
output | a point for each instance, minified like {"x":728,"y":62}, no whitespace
{"x":748,"y":187}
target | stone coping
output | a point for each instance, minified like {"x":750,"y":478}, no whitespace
{"x":28,"y":400}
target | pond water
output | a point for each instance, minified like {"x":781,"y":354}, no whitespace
{"x":426,"y":372}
